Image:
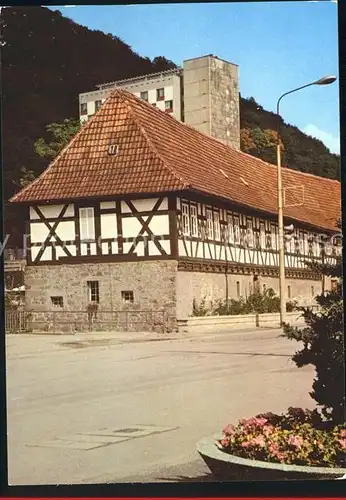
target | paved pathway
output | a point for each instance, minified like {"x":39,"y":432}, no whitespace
{"x":95,"y":408}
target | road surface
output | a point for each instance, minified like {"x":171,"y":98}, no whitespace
{"x":96,"y":409}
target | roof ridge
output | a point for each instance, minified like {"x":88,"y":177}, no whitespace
{"x":51,"y":164}
{"x":145,"y":133}
{"x":219,"y":141}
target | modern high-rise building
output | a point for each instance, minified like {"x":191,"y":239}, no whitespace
{"x":204,"y":93}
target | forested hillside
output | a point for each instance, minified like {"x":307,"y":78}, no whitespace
{"x":48,"y":59}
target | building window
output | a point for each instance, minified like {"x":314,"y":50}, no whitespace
{"x":236,"y":230}
{"x":238,"y":288}
{"x":273,"y":237}
{"x":98,"y":104}
{"x":230,"y":229}
{"x":144,"y":95}
{"x":217,"y":225}
{"x":312,"y":291}
{"x":301,"y":243}
{"x":57,"y":301}
{"x":93,"y":291}
{"x":334,"y":285}
{"x":210,"y":229}
{"x":262,"y":235}
{"x":87,"y":224}
{"x":127,"y":296}
{"x":288,"y":292}
{"x":84,"y":108}
{"x":249,"y":233}
{"x":160,"y":94}
{"x":264,"y":288}
{"x":169,"y":106}
{"x":185,"y":219}
{"x":194,"y":220}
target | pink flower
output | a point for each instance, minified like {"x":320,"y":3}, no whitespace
{"x":342,"y":443}
{"x":260,"y":441}
{"x":229,"y":430}
{"x":343,"y":433}
{"x":246,"y":444}
{"x":296,"y":441}
{"x":224,"y":442}
{"x":268,"y":429}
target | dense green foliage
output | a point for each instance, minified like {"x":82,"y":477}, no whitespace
{"x":256,"y":303}
{"x":323,"y":347}
{"x":48,"y":59}
{"x":61,"y":134}
{"x":300,"y":152}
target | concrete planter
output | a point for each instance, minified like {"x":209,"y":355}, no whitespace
{"x":228,"y":467}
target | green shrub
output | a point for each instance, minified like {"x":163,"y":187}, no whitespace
{"x":323,"y":347}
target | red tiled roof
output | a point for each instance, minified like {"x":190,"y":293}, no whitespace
{"x":160,"y":154}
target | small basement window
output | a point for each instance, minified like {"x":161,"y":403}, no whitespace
{"x":127,"y":296}
{"x":57,"y":301}
{"x":93,"y":291}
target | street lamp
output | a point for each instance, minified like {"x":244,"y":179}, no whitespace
{"x":326,"y":80}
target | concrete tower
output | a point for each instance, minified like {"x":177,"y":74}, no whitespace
{"x":211,"y":98}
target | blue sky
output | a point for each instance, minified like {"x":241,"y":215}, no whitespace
{"x":278,"y":46}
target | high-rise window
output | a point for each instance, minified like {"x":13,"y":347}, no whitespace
{"x":87,"y":224}
{"x":144,"y":95}
{"x":98,"y":104}
{"x":84,"y":108}
{"x":160,"y":94}
{"x":169,"y":106}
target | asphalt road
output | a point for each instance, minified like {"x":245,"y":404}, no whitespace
{"x":96,"y":409}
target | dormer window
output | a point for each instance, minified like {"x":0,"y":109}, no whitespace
{"x":113,"y":149}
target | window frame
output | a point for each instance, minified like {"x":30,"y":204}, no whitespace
{"x":158,"y":96}
{"x":85,"y":222}
{"x":185,"y":218}
{"x":96,"y":107}
{"x":216,"y":224}
{"x":81,"y":108}
{"x":236,"y":224}
{"x":60,"y":303}
{"x":209,"y":223}
{"x":147,"y":95}
{"x":193,"y":220}
{"x":127,"y":293}
{"x":93,"y":295}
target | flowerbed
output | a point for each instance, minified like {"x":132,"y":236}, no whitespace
{"x":299,"y":437}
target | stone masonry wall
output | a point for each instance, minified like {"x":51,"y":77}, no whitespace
{"x":212,"y":287}
{"x":153,"y":284}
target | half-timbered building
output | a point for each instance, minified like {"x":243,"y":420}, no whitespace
{"x":142,"y":211}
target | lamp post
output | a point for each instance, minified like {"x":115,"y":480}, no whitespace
{"x":326,"y":80}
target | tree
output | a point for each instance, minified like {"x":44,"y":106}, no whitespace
{"x":323,"y":346}
{"x":61,"y":134}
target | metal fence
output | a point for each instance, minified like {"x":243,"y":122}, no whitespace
{"x":17,"y":321}
{"x":58,"y":322}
